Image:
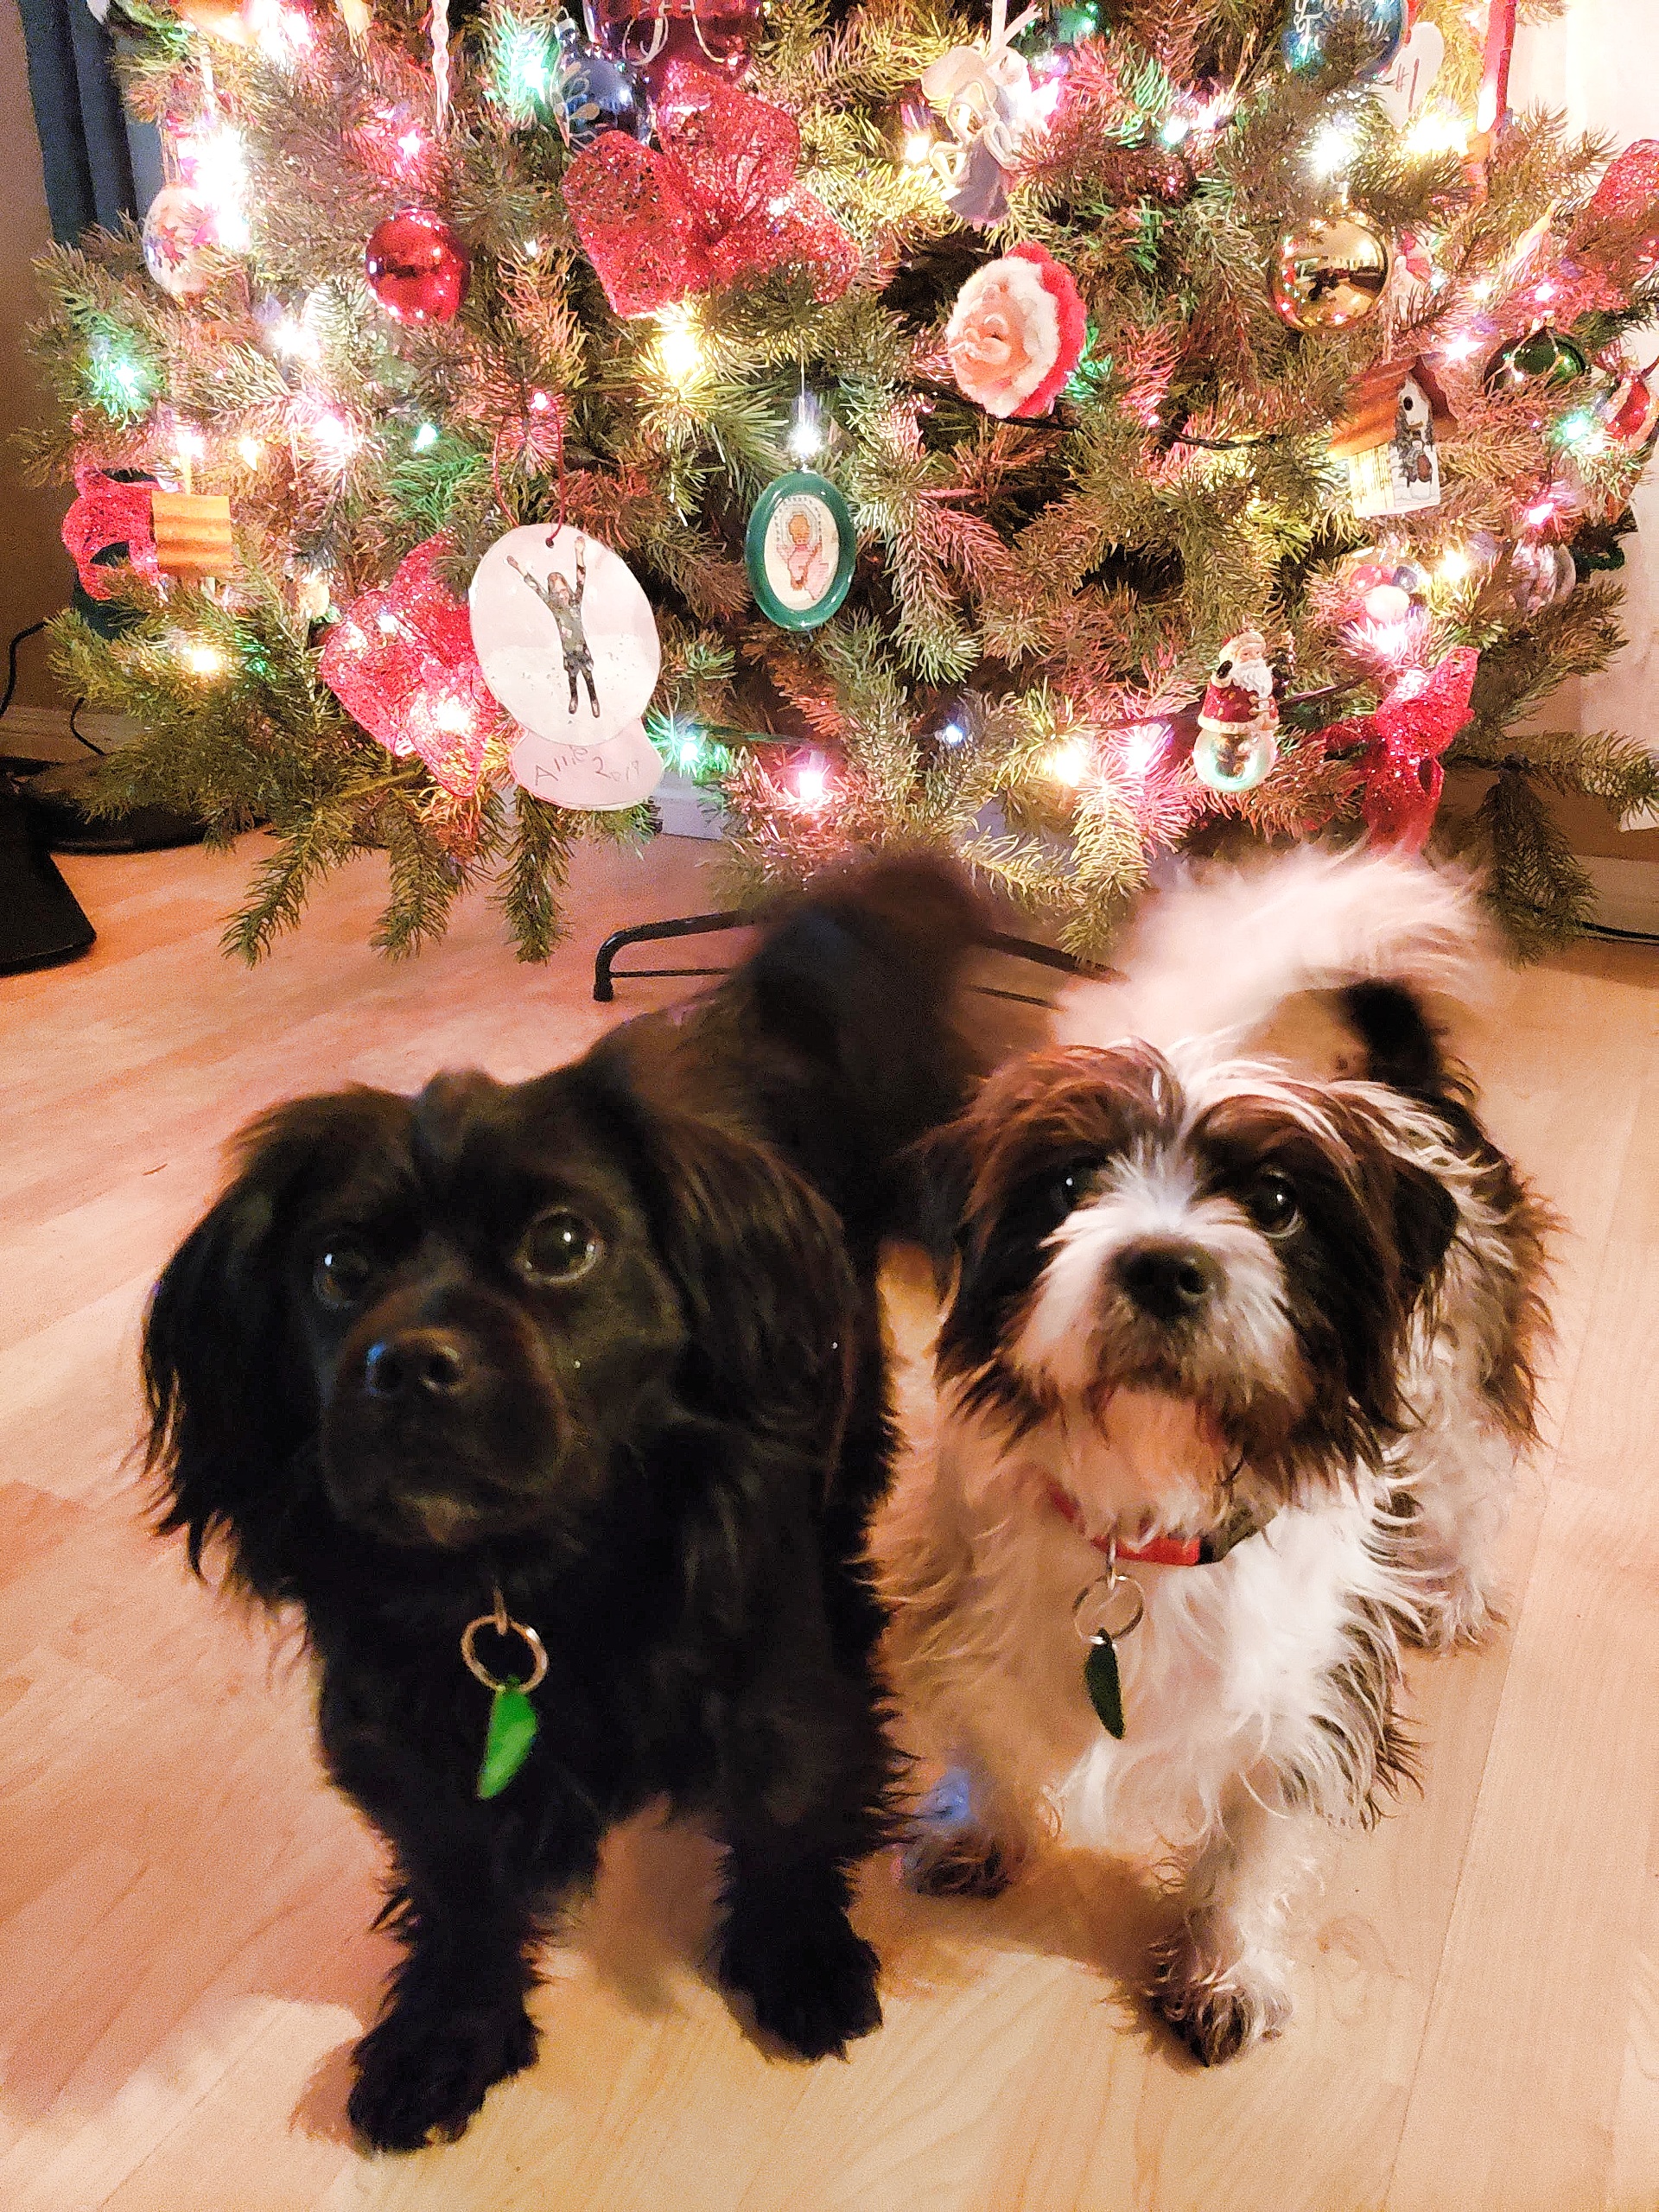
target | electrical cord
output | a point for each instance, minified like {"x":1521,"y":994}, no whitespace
{"x":32,"y":630}
{"x":14,"y":760}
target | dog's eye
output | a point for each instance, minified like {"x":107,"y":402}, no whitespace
{"x":342,"y":1274}
{"x":558,"y":1248}
{"x":1271,"y":1203}
{"x":1070,"y":1186}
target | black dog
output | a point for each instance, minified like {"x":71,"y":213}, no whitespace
{"x":597,"y":1355}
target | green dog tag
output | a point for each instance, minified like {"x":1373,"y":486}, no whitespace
{"x":1100,"y":1678}
{"x":507,"y":1741}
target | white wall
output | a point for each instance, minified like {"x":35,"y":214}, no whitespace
{"x":1600,"y":62}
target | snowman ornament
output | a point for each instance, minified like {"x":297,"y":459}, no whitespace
{"x":567,"y":644}
{"x":1238,"y":721}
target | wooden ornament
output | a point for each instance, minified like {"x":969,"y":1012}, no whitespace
{"x":192,"y":535}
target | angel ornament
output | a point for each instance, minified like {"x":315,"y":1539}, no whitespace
{"x":984,"y":95}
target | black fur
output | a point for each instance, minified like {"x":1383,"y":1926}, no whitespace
{"x":369,"y":1383}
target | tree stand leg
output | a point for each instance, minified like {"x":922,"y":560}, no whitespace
{"x":605,"y":979}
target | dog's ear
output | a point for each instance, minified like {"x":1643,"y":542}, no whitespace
{"x":939,"y":1175}
{"x":231,"y":1399}
{"x":1425,"y":1222}
{"x":759,"y":1262}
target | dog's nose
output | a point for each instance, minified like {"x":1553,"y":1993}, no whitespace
{"x":1169,"y":1281}
{"x":430,"y":1360}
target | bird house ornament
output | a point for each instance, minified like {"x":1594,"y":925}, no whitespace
{"x":1397,"y":412}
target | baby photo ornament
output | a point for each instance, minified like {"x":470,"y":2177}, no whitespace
{"x":799,"y":550}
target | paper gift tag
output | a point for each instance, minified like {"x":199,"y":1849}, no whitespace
{"x":1406,"y":83}
{"x":565,"y":636}
{"x":619,"y":771}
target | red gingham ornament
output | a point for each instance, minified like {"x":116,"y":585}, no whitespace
{"x":105,"y":513}
{"x":1404,"y":738}
{"x":720,"y":200}
{"x":400,"y":661}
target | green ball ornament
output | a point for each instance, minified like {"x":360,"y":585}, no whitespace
{"x":1543,"y":357}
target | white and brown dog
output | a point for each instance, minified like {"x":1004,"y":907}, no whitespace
{"x":1232,"y":1383}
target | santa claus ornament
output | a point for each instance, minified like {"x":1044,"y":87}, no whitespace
{"x":1238,"y":721}
{"x":1016,"y":333}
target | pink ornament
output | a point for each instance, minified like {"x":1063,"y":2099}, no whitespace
{"x":650,"y":35}
{"x":717,"y":203}
{"x":106,"y":513}
{"x":179,"y":237}
{"x":400,"y":661}
{"x":1404,"y":738}
{"x":417,"y":268}
{"x":1016,"y":332}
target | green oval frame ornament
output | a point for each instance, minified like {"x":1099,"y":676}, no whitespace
{"x":787,"y":550}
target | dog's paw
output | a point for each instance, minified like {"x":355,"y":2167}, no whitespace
{"x":1461,"y":1615}
{"x":421,"y":2076}
{"x":1217,"y":2011}
{"x":812,"y":1984}
{"x":958,"y":1860}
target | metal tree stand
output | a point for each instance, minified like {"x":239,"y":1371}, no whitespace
{"x":605,"y":979}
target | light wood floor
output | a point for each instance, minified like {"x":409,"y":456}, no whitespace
{"x":184,"y":1954}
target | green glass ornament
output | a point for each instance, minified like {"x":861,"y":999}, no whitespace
{"x":1543,"y":357}
{"x":507,"y":1740}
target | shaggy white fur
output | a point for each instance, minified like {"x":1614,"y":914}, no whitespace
{"x":1260,"y":1689}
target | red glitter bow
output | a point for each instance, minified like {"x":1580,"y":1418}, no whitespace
{"x":400,"y":661}
{"x":1404,"y":738}
{"x":105,"y":513}
{"x":720,"y":202}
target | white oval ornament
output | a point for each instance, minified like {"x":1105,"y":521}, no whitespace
{"x":564,"y":635}
{"x":619,"y":771}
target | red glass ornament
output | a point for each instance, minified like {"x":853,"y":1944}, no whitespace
{"x":647,"y":35}
{"x":1628,"y":413}
{"x":417,"y":267}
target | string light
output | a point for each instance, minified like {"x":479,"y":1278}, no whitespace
{"x":118,"y":381}
{"x":807,"y":439}
{"x":454,"y":717}
{"x":291,"y":338}
{"x":424,"y":439}
{"x":202,"y":660}
{"x":1439,"y":132}
{"x":526,"y":73}
{"x":953,"y":734}
{"x":1332,"y":151}
{"x":811,"y":783}
{"x":1581,"y":432}
{"x":1070,"y":763}
{"x":679,"y":346}
{"x":335,"y":439}
{"x":1141,"y":745}
{"x":252,"y":451}
{"x":1455,"y":566}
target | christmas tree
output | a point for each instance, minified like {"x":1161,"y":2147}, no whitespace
{"x":1138,"y":425}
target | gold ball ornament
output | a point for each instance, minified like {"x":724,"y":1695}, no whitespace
{"x":1329,"y":272}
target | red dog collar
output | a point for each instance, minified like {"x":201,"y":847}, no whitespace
{"x":1165,"y":1551}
